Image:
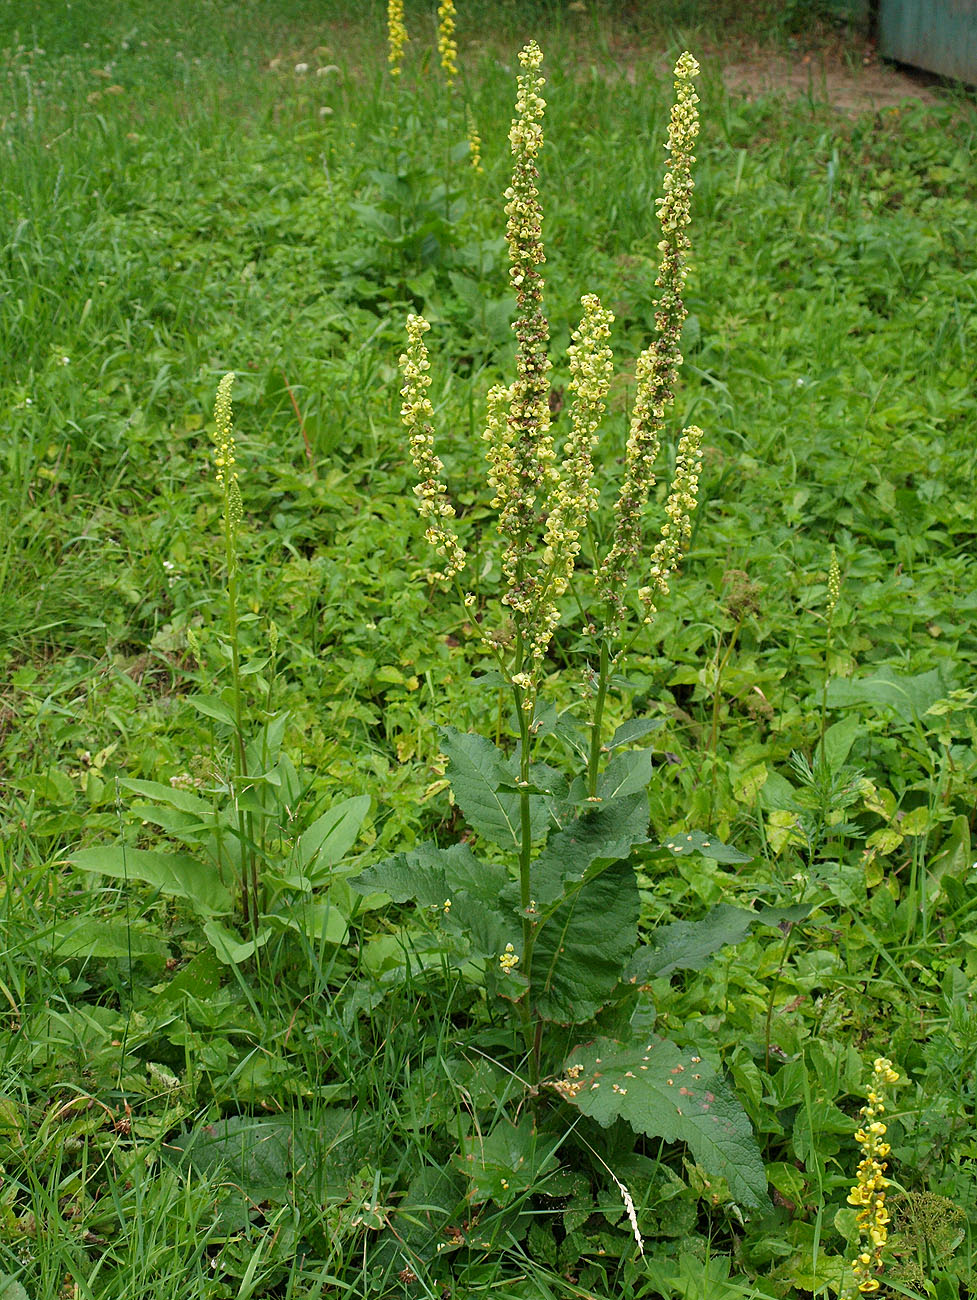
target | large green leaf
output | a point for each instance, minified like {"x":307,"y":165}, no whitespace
{"x":625,"y":774}
{"x":669,"y":1093}
{"x":684,"y":843}
{"x":908,"y":697}
{"x":482,"y":779}
{"x":688,"y":945}
{"x":81,"y":936}
{"x":174,"y":874}
{"x":429,"y":876}
{"x":582,"y":950}
{"x":331,"y":836}
{"x":604,"y":832}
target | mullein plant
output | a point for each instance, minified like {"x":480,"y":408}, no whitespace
{"x":227,"y":481}
{"x":556,"y":935}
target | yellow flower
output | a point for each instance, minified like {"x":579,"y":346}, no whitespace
{"x":868,"y":1194}
{"x":447,"y":46}
{"x":396,"y":35}
{"x":657,"y":369}
{"x":224,"y":433}
{"x":417,"y":413}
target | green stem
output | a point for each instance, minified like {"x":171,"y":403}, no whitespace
{"x":249,"y":886}
{"x":532,"y":1033}
{"x":593,"y":762}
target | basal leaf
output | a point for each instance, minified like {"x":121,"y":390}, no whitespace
{"x":84,"y":937}
{"x":667,"y":1092}
{"x":582,"y":949}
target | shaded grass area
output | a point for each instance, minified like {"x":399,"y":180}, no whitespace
{"x":179,"y":200}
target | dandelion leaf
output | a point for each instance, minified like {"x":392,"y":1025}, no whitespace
{"x":669,"y":1092}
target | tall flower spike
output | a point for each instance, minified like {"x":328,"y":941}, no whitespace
{"x":447,"y":45}
{"x":224,"y":433}
{"x":531,"y":471}
{"x":575,"y":497}
{"x":396,"y":35}
{"x":677,"y":528}
{"x":417,"y":413}
{"x":868,"y":1194}
{"x":657,"y":369}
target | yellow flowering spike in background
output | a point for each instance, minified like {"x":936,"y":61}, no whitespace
{"x":447,"y":45}
{"x":396,"y":35}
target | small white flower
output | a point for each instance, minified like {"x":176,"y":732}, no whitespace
{"x":301,"y":68}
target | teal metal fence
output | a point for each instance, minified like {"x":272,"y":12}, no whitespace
{"x":938,"y":35}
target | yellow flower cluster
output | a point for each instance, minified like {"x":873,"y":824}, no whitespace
{"x":677,"y":528}
{"x":396,"y":35}
{"x":527,"y":453}
{"x":834,"y":583}
{"x":447,"y":45}
{"x":224,"y":432}
{"x":657,"y":368}
{"x":509,"y":959}
{"x":474,"y":143}
{"x":417,"y":414}
{"x":868,"y":1194}
{"x":574,"y":497}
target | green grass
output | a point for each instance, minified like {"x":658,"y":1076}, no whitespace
{"x":289,"y":1128}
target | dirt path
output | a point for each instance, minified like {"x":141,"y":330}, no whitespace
{"x":827,"y":79}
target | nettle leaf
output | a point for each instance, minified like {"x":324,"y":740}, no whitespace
{"x":582,"y":949}
{"x":668,"y":1092}
{"x":604,"y":832}
{"x":482,"y":779}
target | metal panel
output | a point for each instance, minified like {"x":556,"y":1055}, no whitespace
{"x":939,"y":35}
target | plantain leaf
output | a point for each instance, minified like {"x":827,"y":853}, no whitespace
{"x":668,"y":1092}
{"x":331,"y":836}
{"x":175,"y":874}
{"x":83,"y":937}
{"x":582,"y":949}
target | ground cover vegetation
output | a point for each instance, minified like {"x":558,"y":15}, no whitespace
{"x":363,"y":937}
